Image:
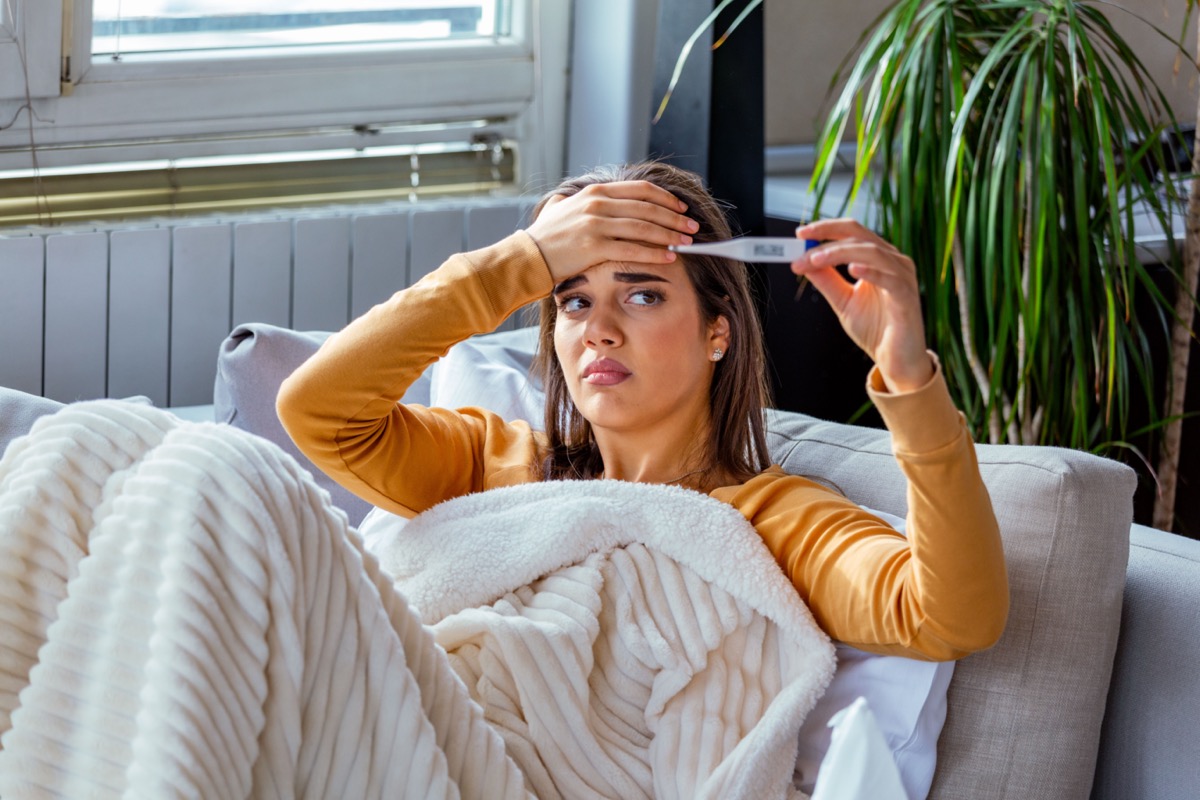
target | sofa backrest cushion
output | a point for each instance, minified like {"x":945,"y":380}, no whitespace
{"x":1024,"y":717}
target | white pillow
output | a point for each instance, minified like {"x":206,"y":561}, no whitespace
{"x":908,"y":697}
{"x":491,"y":371}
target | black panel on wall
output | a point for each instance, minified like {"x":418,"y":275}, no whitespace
{"x":715,"y":125}
{"x":737,"y":129}
{"x":816,"y":368}
{"x":681,"y":137}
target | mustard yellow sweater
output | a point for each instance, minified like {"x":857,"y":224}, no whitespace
{"x":939,"y":594}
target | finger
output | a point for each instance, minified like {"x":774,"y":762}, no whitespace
{"x":633,"y":209}
{"x":640,"y":231}
{"x":626,"y":240}
{"x":893,"y":270}
{"x":840,"y":228}
{"x":632,"y":252}
{"x":883,"y":281}
{"x":638,"y":190}
{"x":642,"y":211}
{"x":832,"y":286}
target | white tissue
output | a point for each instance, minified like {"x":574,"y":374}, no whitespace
{"x":858,"y":765}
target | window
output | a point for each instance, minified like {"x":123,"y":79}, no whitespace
{"x":143,"y":80}
{"x":125,"y":27}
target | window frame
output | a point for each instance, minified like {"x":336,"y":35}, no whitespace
{"x":36,"y":28}
{"x":299,"y":98}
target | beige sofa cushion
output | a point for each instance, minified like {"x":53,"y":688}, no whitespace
{"x":1024,"y":717}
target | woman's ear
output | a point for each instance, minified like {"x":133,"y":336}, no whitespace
{"x":718,"y":333}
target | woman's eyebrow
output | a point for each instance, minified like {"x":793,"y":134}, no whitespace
{"x":639,"y":277}
{"x":570,"y":283}
{"x":620,"y":277}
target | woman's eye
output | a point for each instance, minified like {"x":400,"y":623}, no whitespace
{"x":572,"y":304}
{"x":645,"y":297}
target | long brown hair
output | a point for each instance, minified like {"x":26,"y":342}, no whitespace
{"x":736,"y":442}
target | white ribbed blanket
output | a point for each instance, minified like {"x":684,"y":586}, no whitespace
{"x":182,"y":614}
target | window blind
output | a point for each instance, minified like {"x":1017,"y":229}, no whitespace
{"x":191,"y":186}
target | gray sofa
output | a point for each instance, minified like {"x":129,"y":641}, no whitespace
{"x":1090,"y":691}
{"x":1092,"y":688}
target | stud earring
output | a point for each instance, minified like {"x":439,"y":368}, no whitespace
{"x":718,"y":354}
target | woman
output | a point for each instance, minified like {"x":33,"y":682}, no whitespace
{"x":654,"y":373}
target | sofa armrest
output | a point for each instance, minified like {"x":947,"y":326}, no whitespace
{"x":1152,"y":723}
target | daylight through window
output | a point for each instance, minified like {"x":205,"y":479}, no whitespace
{"x":126,"y":27}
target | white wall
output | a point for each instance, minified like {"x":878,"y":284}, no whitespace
{"x":806,"y":40}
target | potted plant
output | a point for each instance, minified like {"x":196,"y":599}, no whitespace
{"x":1181,"y":334}
{"x":1008,"y":146}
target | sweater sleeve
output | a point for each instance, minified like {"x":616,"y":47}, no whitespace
{"x":341,"y":406}
{"x":939,"y":594}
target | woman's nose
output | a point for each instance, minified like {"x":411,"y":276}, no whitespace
{"x":602,"y":327}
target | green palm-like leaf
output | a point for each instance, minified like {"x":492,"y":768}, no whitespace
{"x":997,"y":139}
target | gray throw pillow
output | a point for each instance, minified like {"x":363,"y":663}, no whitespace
{"x":18,"y":411}
{"x":253,"y":361}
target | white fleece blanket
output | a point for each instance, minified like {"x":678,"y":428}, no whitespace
{"x":182,"y":614}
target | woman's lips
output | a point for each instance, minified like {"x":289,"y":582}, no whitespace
{"x":605,"y":372}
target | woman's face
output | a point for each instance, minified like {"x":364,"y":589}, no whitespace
{"x":634,"y":347}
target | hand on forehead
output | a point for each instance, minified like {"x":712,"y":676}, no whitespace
{"x":629,"y":221}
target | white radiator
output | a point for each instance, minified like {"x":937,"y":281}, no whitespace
{"x":143,"y":310}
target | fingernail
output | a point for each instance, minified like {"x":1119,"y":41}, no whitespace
{"x":682,"y":206}
{"x":685,"y":239}
{"x":692,"y":225}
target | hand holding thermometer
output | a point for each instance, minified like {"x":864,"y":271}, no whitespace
{"x":762,"y":249}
